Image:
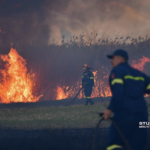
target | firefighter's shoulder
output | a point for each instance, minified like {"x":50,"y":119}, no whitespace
{"x":90,"y":73}
{"x":117,"y":72}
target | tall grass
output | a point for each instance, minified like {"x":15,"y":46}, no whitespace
{"x":61,"y":65}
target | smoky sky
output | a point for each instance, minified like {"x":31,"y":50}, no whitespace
{"x":23,"y":22}
{"x":108,"y":18}
{"x":38,"y":22}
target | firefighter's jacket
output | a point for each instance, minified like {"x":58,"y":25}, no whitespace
{"x":128,"y":87}
{"x":88,"y":78}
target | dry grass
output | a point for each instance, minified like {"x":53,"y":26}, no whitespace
{"x":75,"y":116}
{"x":61,"y":65}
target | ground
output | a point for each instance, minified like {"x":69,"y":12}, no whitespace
{"x":74,"y":116}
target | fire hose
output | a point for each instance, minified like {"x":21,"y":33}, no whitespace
{"x":75,"y":96}
{"x":99,"y":122}
{"x":117,"y":128}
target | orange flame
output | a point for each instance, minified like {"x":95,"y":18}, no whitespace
{"x":140,"y":63}
{"x":100,"y":89}
{"x":68,"y":91}
{"x":60,"y":94}
{"x":16,"y":84}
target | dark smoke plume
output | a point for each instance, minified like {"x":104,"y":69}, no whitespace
{"x":23,"y":23}
{"x":108,"y":18}
{"x":38,"y":22}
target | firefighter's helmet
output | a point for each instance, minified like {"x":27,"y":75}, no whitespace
{"x":85,"y":66}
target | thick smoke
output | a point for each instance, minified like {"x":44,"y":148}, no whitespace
{"x":108,"y":18}
{"x":38,"y":22}
{"x":23,"y":23}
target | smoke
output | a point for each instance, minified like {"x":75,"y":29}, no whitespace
{"x":23,"y":23}
{"x":107,"y":18}
{"x":40,"y":22}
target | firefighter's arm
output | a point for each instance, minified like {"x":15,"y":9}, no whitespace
{"x":83,"y":81}
{"x":91,"y":78}
{"x":117,"y":88}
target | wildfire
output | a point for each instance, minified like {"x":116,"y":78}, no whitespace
{"x":101,"y":87}
{"x":16,"y":84}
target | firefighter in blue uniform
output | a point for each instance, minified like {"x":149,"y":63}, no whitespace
{"x":127,"y":104}
{"x":87,"y":83}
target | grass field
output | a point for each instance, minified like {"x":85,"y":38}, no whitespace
{"x":75,"y":116}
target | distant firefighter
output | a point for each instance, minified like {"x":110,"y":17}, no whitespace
{"x":87,"y":83}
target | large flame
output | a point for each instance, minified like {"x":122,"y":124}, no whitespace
{"x":16,"y":84}
{"x":101,"y":89}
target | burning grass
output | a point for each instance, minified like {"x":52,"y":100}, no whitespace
{"x":58,"y":68}
{"x":75,"y":116}
{"x":16,"y":83}
{"x":39,"y":73}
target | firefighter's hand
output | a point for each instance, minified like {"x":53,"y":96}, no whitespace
{"x":107,"y":114}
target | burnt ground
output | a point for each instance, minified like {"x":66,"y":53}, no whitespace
{"x":53,"y":139}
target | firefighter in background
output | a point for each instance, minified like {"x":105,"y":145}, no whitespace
{"x":87,"y":83}
{"x":128,"y":105}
